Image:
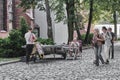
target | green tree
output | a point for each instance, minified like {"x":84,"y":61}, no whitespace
{"x":70,"y":6}
{"x":49,"y":20}
{"x":59,"y":6}
{"x":103,"y":11}
{"x":90,"y":21}
{"x":24,"y":26}
{"x":111,"y":6}
{"x":27,"y":4}
{"x":70,"y":18}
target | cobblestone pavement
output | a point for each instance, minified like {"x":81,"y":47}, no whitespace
{"x":81,"y":69}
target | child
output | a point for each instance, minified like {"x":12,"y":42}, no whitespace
{"x":38,"y":48}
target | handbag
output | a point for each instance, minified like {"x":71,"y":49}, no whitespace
{"x":103,"y":42}
{"x":31,"y":38}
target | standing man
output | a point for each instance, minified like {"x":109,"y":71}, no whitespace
{"x":30,"y":38}
{"x":107,"y":43}
{"x":111,"y":52}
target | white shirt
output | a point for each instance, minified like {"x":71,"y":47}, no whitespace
{"x":107,"y":37}
{"x":28,"y":37}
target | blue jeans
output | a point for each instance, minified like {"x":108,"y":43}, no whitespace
{"x":98,"y":56}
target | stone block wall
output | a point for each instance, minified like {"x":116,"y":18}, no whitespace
{"x":18,"y":12}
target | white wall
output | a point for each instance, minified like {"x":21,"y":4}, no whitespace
{"x":60,"y":31}
{"x":40,"y":19}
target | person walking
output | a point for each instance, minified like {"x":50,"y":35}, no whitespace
{"x":97,"y":43}
{"x":107,"y":43}
{"x":30,"y":38}
{"x":111,"y":52}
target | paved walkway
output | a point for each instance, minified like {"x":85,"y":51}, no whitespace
{"x":81,"y":69}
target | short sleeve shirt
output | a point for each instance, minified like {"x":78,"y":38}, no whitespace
{"x":28,"y":36}
{"x":107,"y":37}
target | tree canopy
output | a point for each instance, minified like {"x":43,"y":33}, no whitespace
{"x":72,"y":11}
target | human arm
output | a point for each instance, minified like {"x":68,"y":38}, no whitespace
{"x":100,"y":38}
{"x":110,"y":35}
{"x":113,"y":37}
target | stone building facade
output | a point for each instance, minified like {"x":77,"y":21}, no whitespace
{"x":10,"y":16}
{"x":4,"y":14}
{"x":1,"y":14}
{"x":18,"y":12}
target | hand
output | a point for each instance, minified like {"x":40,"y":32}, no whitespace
{"x":97,"y":39}
{"x":112,"y":40}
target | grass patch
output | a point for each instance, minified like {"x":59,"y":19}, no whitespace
{"x":8,"y":59}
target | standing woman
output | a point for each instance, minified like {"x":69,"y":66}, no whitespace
{"x":107,"y":37}
{"x":97,"y":43}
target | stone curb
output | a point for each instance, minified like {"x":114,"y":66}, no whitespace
{"x":15,"y":61}
{"x":9,"y":62}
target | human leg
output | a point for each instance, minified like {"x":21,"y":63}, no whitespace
{"x":29,"y":48}
{"x":112,"y":56}
{"x":96,"y":56}
{"x":107,"y":48}
{"x":99,"y":54}
{"x":94,"y":49}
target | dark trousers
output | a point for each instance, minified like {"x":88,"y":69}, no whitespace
{"x":98,"y":50}
{"x":111,"y":52}
{"x":29,"y":48}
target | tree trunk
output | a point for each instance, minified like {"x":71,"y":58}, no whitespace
{"x":78,"y":31}
{"x":49,"y":21}
{"x":89,"y":23}
{"x":70,"y":18}
{"x":115,"y":23}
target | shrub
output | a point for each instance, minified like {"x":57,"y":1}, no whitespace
{"x":16,"y":41}
{"x":89,"y":37}
{"x":83,"y":36}
{"x":4,"y":50}
{"x":118,"y":39}
{"x":11,"y":46}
